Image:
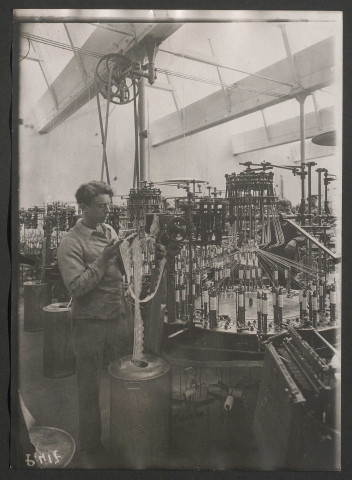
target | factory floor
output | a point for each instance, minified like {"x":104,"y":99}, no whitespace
{"x":204,"y":435}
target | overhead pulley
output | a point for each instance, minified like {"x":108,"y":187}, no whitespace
{"x":117,"y":77}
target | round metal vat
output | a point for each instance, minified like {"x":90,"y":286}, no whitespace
{"x":36,"y":296}
{"x":140,"y":412}
{"x":59,"y":359}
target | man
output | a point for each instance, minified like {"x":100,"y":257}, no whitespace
{"x":313,"y":208}
{"x":292,"y":237}
{"x":91,"y":266}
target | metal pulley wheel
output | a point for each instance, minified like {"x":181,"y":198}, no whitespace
{"x":124,"y":85}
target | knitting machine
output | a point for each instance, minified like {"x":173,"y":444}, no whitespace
{"x":228,"y":290}
{"x":141,"y":201}
{"x":296,"y":422}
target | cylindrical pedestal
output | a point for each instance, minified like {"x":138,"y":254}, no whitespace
{"x":59,"y":359}
{"x":140,"y":412}
{"x":36,"y":296}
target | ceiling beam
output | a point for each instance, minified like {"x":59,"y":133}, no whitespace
{"x":77,"y":55}
{"x":72,"y":91}
{"x":287,"y":154}
{"x":287,"y":131}
{"x":315,"y":67}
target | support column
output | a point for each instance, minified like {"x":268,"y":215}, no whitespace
{"x":143,"y":133}
{"x":301,"y":99}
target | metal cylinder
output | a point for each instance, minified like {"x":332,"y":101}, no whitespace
{"x":36,"y":295}
{"x":59,"y":359}
{"x":140,"y":412}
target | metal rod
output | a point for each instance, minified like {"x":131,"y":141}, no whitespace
{"x":310,"y":165}
{"x":309,"y":190}
{"x":136,"y":143}
{"x":301,"y":100}
{"x":191,"y":309}
{"x":314,"y":240}
{"x":143,"y":143}
{"x":336,"y":352}
{"x":217,"y":64}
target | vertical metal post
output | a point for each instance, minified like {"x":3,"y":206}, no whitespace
{"x":326,"y":183}
{"x":171,"y":287}
{"x":301,"y":99}
{"x":319,"y":170}
{"x":309,"y":192}
{"x":190,"y":246}
{"x":143,"y":134}
{"x":136,"y":140}
{"x":310,"y":165}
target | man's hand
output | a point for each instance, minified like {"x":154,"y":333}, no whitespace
{"x":110,"y":251}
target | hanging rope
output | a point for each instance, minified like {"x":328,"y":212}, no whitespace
{"x":104,"y":134}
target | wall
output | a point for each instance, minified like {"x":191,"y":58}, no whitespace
{"x":53,"y":165}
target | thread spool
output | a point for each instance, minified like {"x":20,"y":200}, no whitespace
{"x":189,"y":393}
{"x":304,"y":302}
{"x":315,"y":309}
{"x":265,"y":313}
{"x":259,"y":311}
{"x":300,"y":297}
{"x":229,"y":403}
{"x":274,"y":301}
{"x":280,"y":305}
{"x":332,"y":298}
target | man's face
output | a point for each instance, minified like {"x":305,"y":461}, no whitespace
{"x":98,"y":209}
{"x":284,"y":209}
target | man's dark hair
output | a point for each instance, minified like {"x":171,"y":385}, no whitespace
{"x":87,"y":191}
{"x":284,"y":202}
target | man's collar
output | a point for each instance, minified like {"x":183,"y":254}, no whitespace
{"x":87,"y":231}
